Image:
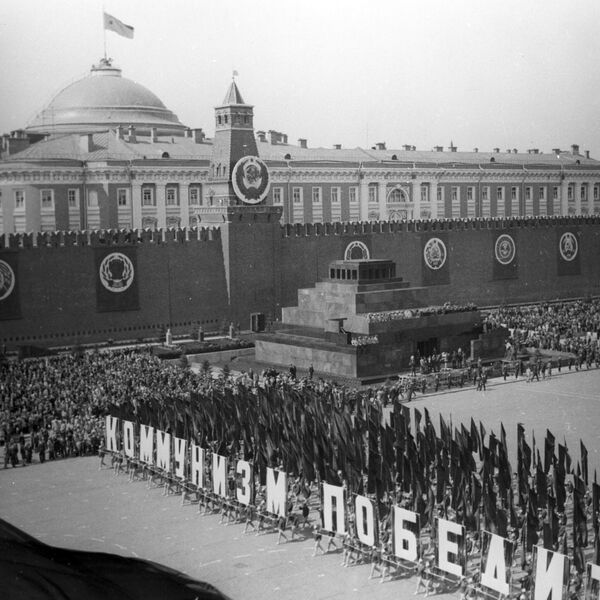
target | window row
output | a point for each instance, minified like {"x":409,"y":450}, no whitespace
{"x":335,"y":195}
{"x":123,"y":198}
{"x":172,"y":198}
{"x":486,"y":193}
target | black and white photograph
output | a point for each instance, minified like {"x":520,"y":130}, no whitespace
{"x":299,"y":300}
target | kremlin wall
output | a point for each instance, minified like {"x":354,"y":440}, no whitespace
{"x":251,"y":263}
{"x":117,"y":221}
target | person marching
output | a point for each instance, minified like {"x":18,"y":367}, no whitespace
{"x":318,"y":537}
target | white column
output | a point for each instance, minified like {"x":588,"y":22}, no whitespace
{"x":564,"y":197}
{"x":578,"y":203}
{"x":363,"y":199}
{"x":433,"y":198}
{"x":161,"y":209}
{"x":136,"y":205}
{"x":184,"y":204}
{"x":416,"y":198}
{"x":382,"y":198}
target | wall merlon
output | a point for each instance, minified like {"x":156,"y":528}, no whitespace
{"x":110,"y":237}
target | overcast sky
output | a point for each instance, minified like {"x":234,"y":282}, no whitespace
{"x":516,"y":74}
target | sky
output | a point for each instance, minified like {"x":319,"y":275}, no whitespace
{"x":510,"y":74}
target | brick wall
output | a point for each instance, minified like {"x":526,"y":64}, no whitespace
{"x":185,"y":283}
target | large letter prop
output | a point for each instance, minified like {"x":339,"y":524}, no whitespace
{"x":179,"y":456}
{"x":366,"y":525}
{"x":111,"y":433}
{"x":163,"y":450}
{"x":244,"y":479}
{"x":592,"y":588}
{"x":450,"y":543}
{"x":219,"y":475}
{"x":406,"y":534}
{"x":496,"y":559}
{"x":277,"y":492}
{"x":333,"y":516}
{"x":197,"y":468}
{"x":128,"y":439}
{"x":147,"y":444}
{"x":550,"y":575}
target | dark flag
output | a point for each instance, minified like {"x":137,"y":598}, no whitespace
{"x":548,"y":451}
{"x":475,"y":437}
{"x":579,"y":516}
{"x":595,"y":506}
{"x":31,"y":569}
{"x":584,"y":462}
{"x":541,"y":485}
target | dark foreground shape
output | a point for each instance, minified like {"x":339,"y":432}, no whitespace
{"x":31,"y":570}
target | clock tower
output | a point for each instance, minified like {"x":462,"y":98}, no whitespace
{"x":234,"y":139}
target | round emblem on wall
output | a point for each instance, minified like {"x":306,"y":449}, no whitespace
{"x":505,"y":249}
{"x":250,"y":179}
{"x":435,"y":253}
{"x":357,"y":251}
{"x":7,"y":280}
{"x":568,"y":246}
{"x":116,"y":272}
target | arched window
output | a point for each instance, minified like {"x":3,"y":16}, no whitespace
{"x":397,"y":196}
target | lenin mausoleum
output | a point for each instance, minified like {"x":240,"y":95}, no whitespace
{"x":117,"y":220}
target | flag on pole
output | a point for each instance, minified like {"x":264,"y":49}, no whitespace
{"x":113,"y":24}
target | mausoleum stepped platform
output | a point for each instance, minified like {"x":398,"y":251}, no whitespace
{"x":364,"y":323}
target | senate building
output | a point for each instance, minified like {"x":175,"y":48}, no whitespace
{"x":105,"y":153}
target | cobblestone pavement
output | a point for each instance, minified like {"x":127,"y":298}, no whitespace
{"x":73,"y":504}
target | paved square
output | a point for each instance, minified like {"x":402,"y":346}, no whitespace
{"x":71,"y":503}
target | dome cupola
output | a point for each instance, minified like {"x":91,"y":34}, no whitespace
{"x":104,"y":100}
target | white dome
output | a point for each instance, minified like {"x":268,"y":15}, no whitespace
{"x":103,"y":100}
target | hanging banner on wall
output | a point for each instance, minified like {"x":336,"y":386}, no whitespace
{"x":505,"y":255}
{"x":435,"y":263}
{"x":116,"y":279}
{"x":10,"y":305}
{"x":568,"y":252}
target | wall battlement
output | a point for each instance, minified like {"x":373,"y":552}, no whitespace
{"x":370,"y":227}
{"x":110,"y":237}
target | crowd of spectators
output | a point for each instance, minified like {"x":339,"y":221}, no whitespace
{"x":415,"y":313}
{"x":571,"y":327}
{"x":55,"y":407}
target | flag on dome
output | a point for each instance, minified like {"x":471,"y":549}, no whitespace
{"x":113,"y":24}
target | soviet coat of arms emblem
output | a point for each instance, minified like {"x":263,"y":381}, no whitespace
{"x":250,"y":179}
{"x":505,"y":249}
{"x":568,"y":246}
{"x":7,"y":280}
{"x":116,"y":272}
{"x":435,"y":253}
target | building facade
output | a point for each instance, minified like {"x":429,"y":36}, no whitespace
{"x":107,"y":154}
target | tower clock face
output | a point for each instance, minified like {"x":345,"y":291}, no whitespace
{"x":250,"y":179}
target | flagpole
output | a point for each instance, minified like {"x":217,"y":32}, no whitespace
{"x":104,"y":32}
